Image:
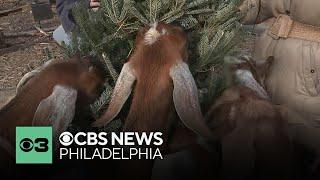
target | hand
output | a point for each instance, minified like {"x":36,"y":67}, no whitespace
{"x":94,"y":4}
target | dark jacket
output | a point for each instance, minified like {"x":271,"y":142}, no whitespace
{"x":64,"y":8}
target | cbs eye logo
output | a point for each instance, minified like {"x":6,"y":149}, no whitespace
{"x":34,"y":145}
{"x":39,"y":145}
{"x":66,"y":138}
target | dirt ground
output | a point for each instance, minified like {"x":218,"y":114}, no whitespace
{"x":21,"y":54}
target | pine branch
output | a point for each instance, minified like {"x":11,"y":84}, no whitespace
{"x":110,"y":67}
{"x":212,"y":26}
{"x":102,"y":100}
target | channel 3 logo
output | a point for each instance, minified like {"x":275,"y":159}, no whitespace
{"x":27,"y":145}
{"x":34,"y":145}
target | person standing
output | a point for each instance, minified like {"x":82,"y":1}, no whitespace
{"x":64,"y":11}
{"x":293,"y":39}
{"x":64,"y":8}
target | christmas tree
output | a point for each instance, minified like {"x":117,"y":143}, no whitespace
{"x":212,"y":26}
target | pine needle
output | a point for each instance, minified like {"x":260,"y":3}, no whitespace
{"x":212,"y":27}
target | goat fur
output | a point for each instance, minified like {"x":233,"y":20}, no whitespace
{"x":74,"y":73}
{"x":253,"y":131}
{"x":160,"y":78}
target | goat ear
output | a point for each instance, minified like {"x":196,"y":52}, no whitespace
{"x":264,"y":65}
{"x":120,"y":95}
{"x":185,"y":97}
{"x":269,"y":61}
{"x":57,"y":110}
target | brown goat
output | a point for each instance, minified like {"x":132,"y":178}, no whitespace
{"x":163,"y":86}
{"x":252,"y":130}
{"x":53,"y":97}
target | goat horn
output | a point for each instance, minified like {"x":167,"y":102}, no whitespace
{"x":185,"y":97}
{"x":120,"y":95}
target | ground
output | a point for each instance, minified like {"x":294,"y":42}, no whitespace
{"x":23,"y":53}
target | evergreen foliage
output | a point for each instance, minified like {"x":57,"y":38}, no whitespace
{"x":212,"y":25}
